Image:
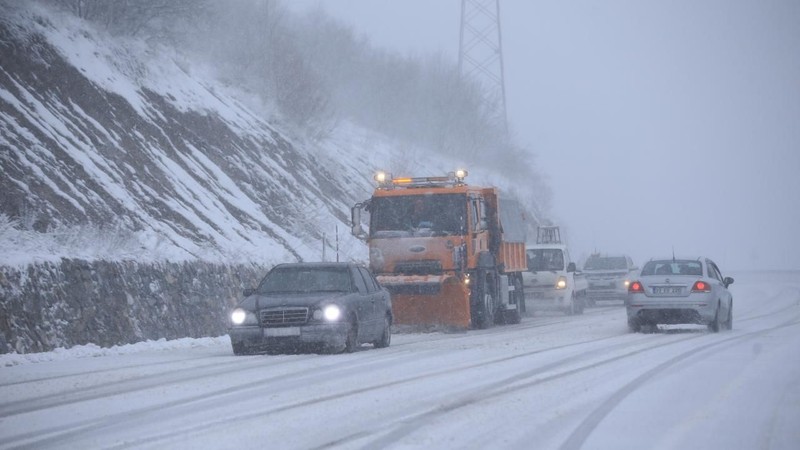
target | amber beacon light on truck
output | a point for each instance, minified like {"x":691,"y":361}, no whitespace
{"x":386,"y":181}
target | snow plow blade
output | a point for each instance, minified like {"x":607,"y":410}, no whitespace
{"x":428,"y":300}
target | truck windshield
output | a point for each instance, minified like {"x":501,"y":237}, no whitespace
{"x":545,"y":259}
{"x":418,"y":215}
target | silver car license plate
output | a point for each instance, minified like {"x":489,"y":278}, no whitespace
{"x":282,"y":332}
{"x":667,"y":290}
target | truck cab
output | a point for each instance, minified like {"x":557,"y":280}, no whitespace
{"x":552,"y":281}
{"x":450,"y":254}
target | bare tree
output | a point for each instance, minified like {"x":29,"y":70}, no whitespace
{"x":133,"y":17}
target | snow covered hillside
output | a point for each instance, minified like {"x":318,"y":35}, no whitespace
{"x":119,"y":151}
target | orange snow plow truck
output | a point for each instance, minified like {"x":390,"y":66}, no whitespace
{"x":451,"y":254}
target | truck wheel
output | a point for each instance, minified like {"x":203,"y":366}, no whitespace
{"x":512,"y":316}
{"x":487,"y":316}
{"x":483,"y":316}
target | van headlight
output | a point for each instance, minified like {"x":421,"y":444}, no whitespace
{"x":240,"y":316}
{"x":561,"y":283}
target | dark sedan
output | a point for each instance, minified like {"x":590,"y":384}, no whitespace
{"x":328,"y":307}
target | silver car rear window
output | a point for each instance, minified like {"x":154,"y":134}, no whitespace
{"x":673,"y":267}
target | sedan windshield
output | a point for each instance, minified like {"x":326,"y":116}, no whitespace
{"x":418,"y":215}
{"x":296,"y":279}
{"x":672,"y":267}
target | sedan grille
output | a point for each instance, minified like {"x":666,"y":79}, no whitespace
{"x":280,"y":317}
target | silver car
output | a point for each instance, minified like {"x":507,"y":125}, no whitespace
{"x":609,"y":277}
{"x":675,"y":291}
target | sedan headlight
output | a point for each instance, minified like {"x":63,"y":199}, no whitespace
{"x":240,"y":316}
{"x":327,"y":313}
{"x":332,"y":313}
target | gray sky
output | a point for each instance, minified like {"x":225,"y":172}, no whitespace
{"x":659,"y":124}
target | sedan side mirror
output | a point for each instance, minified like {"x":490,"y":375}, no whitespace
{"x":727,"y":281}
{"x":248,"y":292}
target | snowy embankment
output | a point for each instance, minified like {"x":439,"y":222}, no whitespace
{"x":552,"y":381}
{"x":94,"y":350}
{"x":118,"y":150}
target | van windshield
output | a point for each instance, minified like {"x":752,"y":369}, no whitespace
{"x":545,"y":259}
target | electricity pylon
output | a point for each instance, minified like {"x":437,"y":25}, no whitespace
{"x":480,"y":54}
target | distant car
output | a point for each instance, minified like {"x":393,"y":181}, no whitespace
{"x":608,"y":277}
{"x":678,"y":291}
{"x":328,"y":307}
{"x":552,"y":281}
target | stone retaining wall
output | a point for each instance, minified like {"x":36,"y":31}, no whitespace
{"x":74,"y":302}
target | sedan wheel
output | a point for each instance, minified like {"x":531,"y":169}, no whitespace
{"x":714,"y":326}
{"x":352,"y":337}
{"x":729,"y":322}
{"x":386,"y":336}
{"x":239,"y":348}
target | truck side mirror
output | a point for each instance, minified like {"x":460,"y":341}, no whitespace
{"x":571,"y":267}
{"x":355,"y":220}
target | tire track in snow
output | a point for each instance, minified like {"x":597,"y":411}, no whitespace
{"x":110,"y":388}
{"x":144,"y":382}
{"x":62,"y":434}
{"x":100,"y":371}
{"x":585,"y":429}
{"x":507,"y":386}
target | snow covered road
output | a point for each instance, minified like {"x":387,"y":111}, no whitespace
{"x":550,"y":382}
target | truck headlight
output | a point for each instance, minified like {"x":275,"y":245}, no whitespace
{"x":241,"y":317}
{"x":561,"y":283}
